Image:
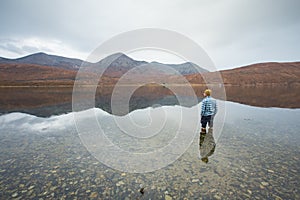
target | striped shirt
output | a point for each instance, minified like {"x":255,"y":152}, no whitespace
{"x":209,"y":106}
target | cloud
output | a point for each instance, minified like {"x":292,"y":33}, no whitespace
{"x":228,"y":30}
{"x":18,"y":47}
{"x":11,"y":47}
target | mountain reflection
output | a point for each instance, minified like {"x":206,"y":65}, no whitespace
{"x":283,"y":97}
{"x":47,"y":101}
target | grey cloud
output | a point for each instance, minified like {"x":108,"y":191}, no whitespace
{"x":16,"y":47}
{"x":30,"y":49}
{"x":12,"y":48}
{"x":218,"y":25}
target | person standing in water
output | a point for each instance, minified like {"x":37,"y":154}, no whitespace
{"x":208,"y":111}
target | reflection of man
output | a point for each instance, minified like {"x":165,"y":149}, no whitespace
{"x":208,"y":110}
{"x":207,"y":145}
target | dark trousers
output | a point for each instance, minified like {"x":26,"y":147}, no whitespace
{"x":207,"y":120}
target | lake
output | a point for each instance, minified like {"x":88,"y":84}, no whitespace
{"x":252,"y":153}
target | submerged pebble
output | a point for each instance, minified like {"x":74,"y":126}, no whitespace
{"x":120,"y":183}
{"x":265,"y":183}
{"x":168,"y":197}
{"x":93,"y":195}
{"x":31,"y":187}
{"x":195,"y":180}
{"x":14,"y":195}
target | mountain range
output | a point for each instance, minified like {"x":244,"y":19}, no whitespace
{"x":120,"y":63}
{"x":44,"y":59}
{"x":44,"y":69}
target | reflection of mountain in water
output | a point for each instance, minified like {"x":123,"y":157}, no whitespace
{"x":283,"y":97}
{"x":54,"y":101}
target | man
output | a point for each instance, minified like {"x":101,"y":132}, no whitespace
{"x":208,"y":111}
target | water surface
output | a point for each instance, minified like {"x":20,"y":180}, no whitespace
{"x":256,"y":157}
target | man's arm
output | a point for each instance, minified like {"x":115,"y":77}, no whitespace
{"x":203,"y":107}
{"x":216,"y":107}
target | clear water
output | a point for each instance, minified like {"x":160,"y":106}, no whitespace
{"x":256,"y":156}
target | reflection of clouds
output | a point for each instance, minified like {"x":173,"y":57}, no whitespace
{"x":116,"y":148}
{"x":130,"y":150}
{"x":33,"y":123}
{"x":53,"y":123}
{"x":207,"y":145}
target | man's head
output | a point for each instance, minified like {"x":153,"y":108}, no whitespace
{"x":207,"y":93}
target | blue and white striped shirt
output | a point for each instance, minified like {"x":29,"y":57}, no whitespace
{"x":209,"y":106}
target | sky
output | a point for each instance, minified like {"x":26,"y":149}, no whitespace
{"x":232,"y":32}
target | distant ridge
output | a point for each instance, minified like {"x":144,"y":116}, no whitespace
{"x":46,"y":60}
{"x":43,"y":69}
{"x":120,"y":64}
{"x":260,"y":74}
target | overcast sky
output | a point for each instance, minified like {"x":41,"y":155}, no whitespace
{"x":233,"y":32}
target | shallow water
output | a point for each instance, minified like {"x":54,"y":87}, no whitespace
{"x":256,"y":157}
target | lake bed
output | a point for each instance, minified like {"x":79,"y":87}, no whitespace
{"x":256,"y":157}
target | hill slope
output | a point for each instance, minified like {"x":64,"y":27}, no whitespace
{"x":262,"y":74}
{"x":30,"y":74}
{"x":46,"y":60}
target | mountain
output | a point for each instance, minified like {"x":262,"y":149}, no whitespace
{"x":261,"y":74}
{"x":42,"y":67}
{"x":188,"y":68}
{"x":44,"y":59}
{"x":30,"y":75}
{"x":118,"y":63}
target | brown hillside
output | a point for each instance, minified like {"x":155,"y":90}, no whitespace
{"x":263,"y":74}
{"x":28,"y":74}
